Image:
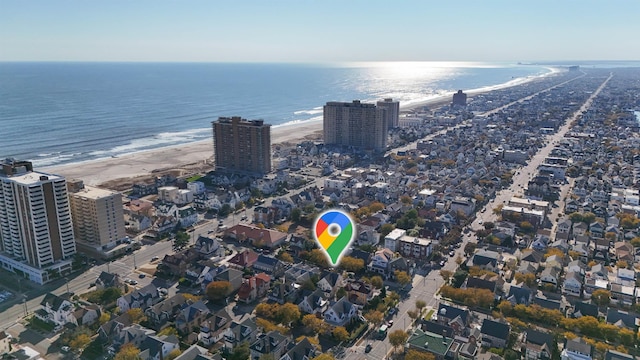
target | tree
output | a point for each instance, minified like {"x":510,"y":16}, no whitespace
{"x":288,"y":313}
{"x":526,"y":226}
{"x":268,"y":356}
{"x":324,"y":356}
{"x":340,"y":333}
{"x":413,"y":314}
{"x":601,"y":297}
{"x":377,"y":282}
{"x":621,"y":264}
{"x":470,"y":248}
{"x":285,"y":256}
{"x":128,"y":351}
{"x":398,"y":338}
{"x":418,"y":355}
{"x":352,"y":264}
{"x":224,"y":210}
{"x":136,"y":315}
{"x":295,"y":215}
{"x":402,"y":277}
{"x":446,"y":275}
{"x":420,"y":304}
{"x":312,"y":323}
{"x":181,"y":241}
{"x":173,"y":354}
{"x":385,"y":230}
{"x":79,"y":342}
{"x":241,"y":352}
{"x":635,"y":242}
{"x":375,"y":317}
{"x":218,"y":290}
{"x":267,"y":310}
{"x":317,"y":257}
{"x":104,"y":318}
{"x":169,"y":330}
{"x":529,"y":279}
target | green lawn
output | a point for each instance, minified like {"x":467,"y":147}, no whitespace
{"x":428,"y":316}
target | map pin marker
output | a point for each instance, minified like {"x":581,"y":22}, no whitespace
{"x":334,"y":231}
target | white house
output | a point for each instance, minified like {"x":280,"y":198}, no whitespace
{"x":56,"y":310}
{"x":340,"y":312}
{"x":196,"y":187}
{"x":392,"y":239}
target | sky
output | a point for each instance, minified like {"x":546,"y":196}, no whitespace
{"x":318,"y":31}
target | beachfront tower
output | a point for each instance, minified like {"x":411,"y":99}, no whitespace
{"x":393,"y":112}
{"x":98,"y":220}
{"x":242,"y":146}
{"x":36,"y":232}
{"x":459,"y":98}
{"x":355,"y":124}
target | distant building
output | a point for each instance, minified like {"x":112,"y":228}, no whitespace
{"x":242,"y":145}
{"x":355,"y":124}
{"x":98,"y":216}
{"x":393,"y":112}
{"x":459,"y":98}
{"x":35,"y":222}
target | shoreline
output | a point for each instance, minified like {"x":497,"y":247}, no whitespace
{"x":199,"y":154}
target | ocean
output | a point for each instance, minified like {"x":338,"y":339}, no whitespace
{"x":60,"y":113}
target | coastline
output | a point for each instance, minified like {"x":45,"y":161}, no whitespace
{"x":198,"y":155}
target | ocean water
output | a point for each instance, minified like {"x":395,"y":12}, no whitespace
{"x":58,"y":113}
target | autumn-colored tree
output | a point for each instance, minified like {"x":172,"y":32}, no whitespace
{"x":191,"y":297}
{"x":267,"y":310}
{"x":621,"y":264}
{"x":104,"y":318}
{"x":635,"y":242}
{"x":377,"y":282}
{"x":413,"y":314}
{"x":385,"y":230}
{"x":169,"y":330}
{"x":218,"y":290}
{"x":420,"y":304}
{"x":376,"y":206}
{"x":375,"y":317}
{"x":173,"y":354}
{"x":553,"y":251}
{"x":79,"y":342}
{"x":285,"y":256}
{"x":470,"y":248}
{"x":312,"y":324}
{"x":352,"y":264}
{"x":402,"y":277}
{"x":317,"y":257}
{"x":324,"y":356}
{"x":398,"y":338}
{"x":529,"y":279}
{"x":136,"y":315}
{"x":418,"y":355}
{"x":128,"y":351}
{"x":601,"y":297}
{"x":312,"y":340}
{"x":340,"y":333}
{"x":288,"y":313}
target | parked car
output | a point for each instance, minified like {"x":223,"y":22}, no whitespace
{"x":155,"y":258}
{"x":142,"y":276}
{"x":368,"y":348}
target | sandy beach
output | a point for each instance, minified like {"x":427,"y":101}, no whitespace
{"x":199,"y":155}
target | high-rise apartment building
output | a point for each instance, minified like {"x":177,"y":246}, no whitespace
{"x":36,"y":231}
{"x":98,"y":217}
{"x":355,"y":124}
{"x":242,"y":145}
{"x":459,"y":98}
{"x":393,"y":111}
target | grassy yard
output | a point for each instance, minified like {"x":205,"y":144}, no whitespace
{"x":428,"y":316}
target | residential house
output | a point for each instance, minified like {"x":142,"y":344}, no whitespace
{"x":572,"y":284}
{"x":486,"y":259}
{"x":299,"y":273}
{"x":244,"y":259}
{"x":209,"y":247}
{"x":239,"y":332}
{"x":178,"y":263}
{"x":576,"y":349}
{"x":330,"y":283}
{"x":187,"y":216}
{"x":359,"y":292}
{"x":303,"y":350}
{"x":380,"y":261}
{"x":550,"y":276}
{"x":538,"y":345}
{"x":191,"y":316}
{"x":160,"y":314}
{"x":233,"y":276}
{"x":494,"y":334}
{"x":269,"y":265}
{"x":284,"y":291}
{"x":254,"y":288}
{"x":258,"y":237}
{"x":107,"y":280}
{"x":272,"y":343}
{"x":616,"y":355}
{"x":340,"y":312}
{"x":454,"y":317}
{"x":87,"y":315}
{"x":5,"y":343}
{"x":215,"y":327}
{"x":621,"y":319}
{"x":313,"y":303}
{"x":56,"y":310}
{"x":435,"y":344}
{"x":584,"y":309}
{"x":194,"y":352}
{"x":134,"y":334}
{"x":155,"y":347}
{"x":622,"y":294}
{"x":140,"y":298}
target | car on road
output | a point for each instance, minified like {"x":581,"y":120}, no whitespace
{"x":368,"y":348}
{"x":155,"y":258}
{"x":65,"y":348}
{"x":142,"y":276}
{"x":452,"y":253}
{"x":392,"y":311}
{"x":133,"y":282}
{"x":442,"y":262}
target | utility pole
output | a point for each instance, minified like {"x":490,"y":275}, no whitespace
{"x":66,"y":279}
